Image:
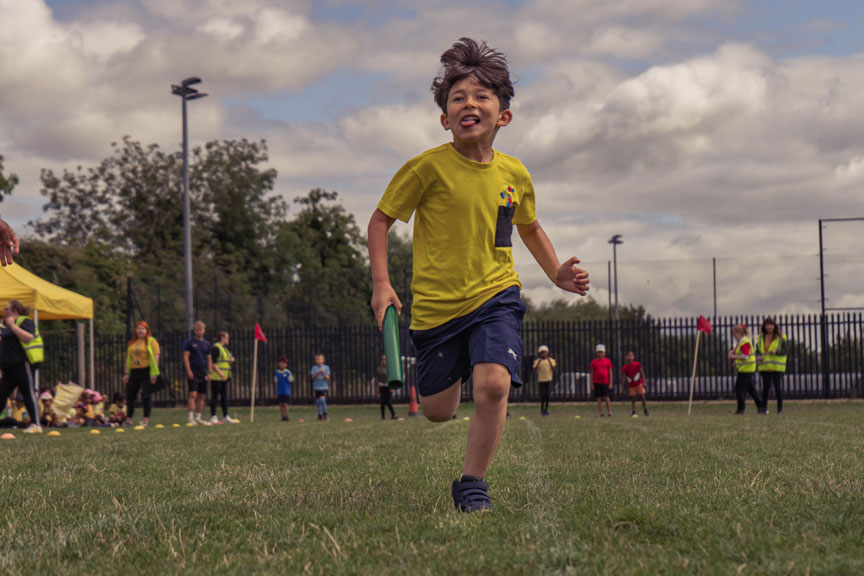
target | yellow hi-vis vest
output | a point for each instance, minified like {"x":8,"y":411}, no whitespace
{"x":747,"y":366}
{"x":154,"y":367}
{"x":774,"y":358}
{"x":34,"y":349}
{"x":224,"y":364}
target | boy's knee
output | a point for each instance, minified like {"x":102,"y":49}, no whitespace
{"x":491,"y":383}
{"x":437,"y":414}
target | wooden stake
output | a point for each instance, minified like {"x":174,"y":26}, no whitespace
{"x":693,"y":378}
{"x":254,"y":381}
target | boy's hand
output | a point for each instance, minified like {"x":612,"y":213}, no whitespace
{"x":572,"y":279}
{"x":382,"y":297}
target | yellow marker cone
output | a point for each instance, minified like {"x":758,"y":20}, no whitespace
{"x":139,"y":427}
{"x":577,"y":417}
{"x":190,"y":424}
{"x":635,"y":416}
{"x":521,"y":417}
{"x":237,"y":420}
{"x":466,"y":418}
{"x":207,"y":424}
{"x":53,"y":433}
{"x":95,"y":432}
{"x":175,"y":425}
{"x":119,"y":430}
{"x":401,"y":419}
{"x":159,"y":426}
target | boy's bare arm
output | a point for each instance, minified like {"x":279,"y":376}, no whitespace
{"x":383,"y":294}
{"x":566,"y":276}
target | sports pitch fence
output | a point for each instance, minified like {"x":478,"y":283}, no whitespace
{"x":826,"y":359}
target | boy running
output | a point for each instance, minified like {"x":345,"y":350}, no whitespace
{"x":467,"y":314}
{"x":601,"y":368}
{"x":635,"y":378}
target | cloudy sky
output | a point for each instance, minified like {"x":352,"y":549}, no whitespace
{"x":700,"y":130}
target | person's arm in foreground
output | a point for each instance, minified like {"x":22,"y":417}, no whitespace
{"x":566,"y":276}
{"x":8,"y":243}
{"x":383,"y":294}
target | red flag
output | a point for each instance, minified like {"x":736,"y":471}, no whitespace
{"x":259,"y":334}
{"x":704,"y":325}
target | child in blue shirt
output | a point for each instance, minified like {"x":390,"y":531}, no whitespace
{"x":283,"y":378}
{"x":320,"y":385}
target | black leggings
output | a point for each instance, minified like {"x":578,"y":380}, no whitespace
{"x":772,"y":379}
{"x":386,"y":395}
{"x":138,"y":379}
{"x":545,"y":388}
{"x":743,"y":386}
{"x":219,"y":388}
{"x":22,"y":376}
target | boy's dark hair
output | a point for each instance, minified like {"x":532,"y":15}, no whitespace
{"x":467,"y":58}
{"x":118,"y":396}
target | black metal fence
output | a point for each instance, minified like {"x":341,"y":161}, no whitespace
{"x":826,"y":359}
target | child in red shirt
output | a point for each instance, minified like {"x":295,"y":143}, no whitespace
{"x":634,"y":375}
{"x":601,"y":368}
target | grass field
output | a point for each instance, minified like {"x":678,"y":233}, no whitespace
{"x":712,"y":494}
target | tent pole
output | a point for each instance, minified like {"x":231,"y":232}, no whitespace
{"x":92,"y":357}
{"x":36,"y":372}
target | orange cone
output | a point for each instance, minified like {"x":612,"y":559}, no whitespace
{"x":412,"y":402}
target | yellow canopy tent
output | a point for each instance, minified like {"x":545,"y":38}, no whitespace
{"x":48,"y":301}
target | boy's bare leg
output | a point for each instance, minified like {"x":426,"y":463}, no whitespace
{"x":442,"y":406}
{"x":491,"y":388}
{"x":633,"y":403}
{"x":199,"y":403}
{"x":191,"y":403}
{"x":599,"y":405}
{"x":644,"y":404}
{"x":608,"y":406}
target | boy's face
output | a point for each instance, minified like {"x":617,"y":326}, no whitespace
{"x":282,"y":365}
{"x":473,"y":113}
{"x":319,"y":360}
{"x":601,"y":353}
{"x":383,"y":360}
{"x":630,"y":358}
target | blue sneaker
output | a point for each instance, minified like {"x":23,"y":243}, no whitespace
{"x":471,"y":495}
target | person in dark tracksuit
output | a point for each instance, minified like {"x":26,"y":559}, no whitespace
{"x":18,"y":336}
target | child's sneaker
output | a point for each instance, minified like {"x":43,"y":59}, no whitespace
{"x":32,"y":429}
{"x":230,"y":420}
{"x":394,"y":417}
{"x":199,"y":421}
{"x":646,"y":413}
{"x":214,"y":419}
{"x":326,"y":418}
{"x":471,"y":495}
{"x":320,"y":417}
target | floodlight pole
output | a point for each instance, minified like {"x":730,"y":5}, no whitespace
{"x":615,"y":241}
{"x":186,"y":92}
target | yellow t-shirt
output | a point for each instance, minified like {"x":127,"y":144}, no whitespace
{"x":113,"y":410}
{"x":19,"y":413}
{"x":138,"y":355}
{"x":545,"y":368}
{"x":464,"y":212}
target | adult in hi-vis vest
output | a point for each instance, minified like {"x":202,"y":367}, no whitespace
{"x":220,"y":376}
{"x":771,"y":350}
{"x":21,"y":352}
{"x":142,"y":371}
{"x":744,"y":355}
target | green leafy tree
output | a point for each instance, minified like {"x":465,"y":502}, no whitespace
{"x":7,"y":183}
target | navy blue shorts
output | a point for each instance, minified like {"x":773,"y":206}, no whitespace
{"x":283,"y":398}
{"x":492,"y":333}
{"x":198,"y":383}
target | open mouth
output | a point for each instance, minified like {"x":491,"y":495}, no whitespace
{"x":469,"y":121}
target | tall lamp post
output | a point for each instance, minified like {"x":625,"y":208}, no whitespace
{"x":615,"y":241}
{"x":186,"y":93}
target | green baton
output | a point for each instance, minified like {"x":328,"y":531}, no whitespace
{"x":391,"y":348}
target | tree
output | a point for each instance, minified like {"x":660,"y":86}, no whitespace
{"x":322,"y":247}
{"x":7,"y":183}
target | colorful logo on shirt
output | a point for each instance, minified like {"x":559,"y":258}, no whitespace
{"x":508,"y":195}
